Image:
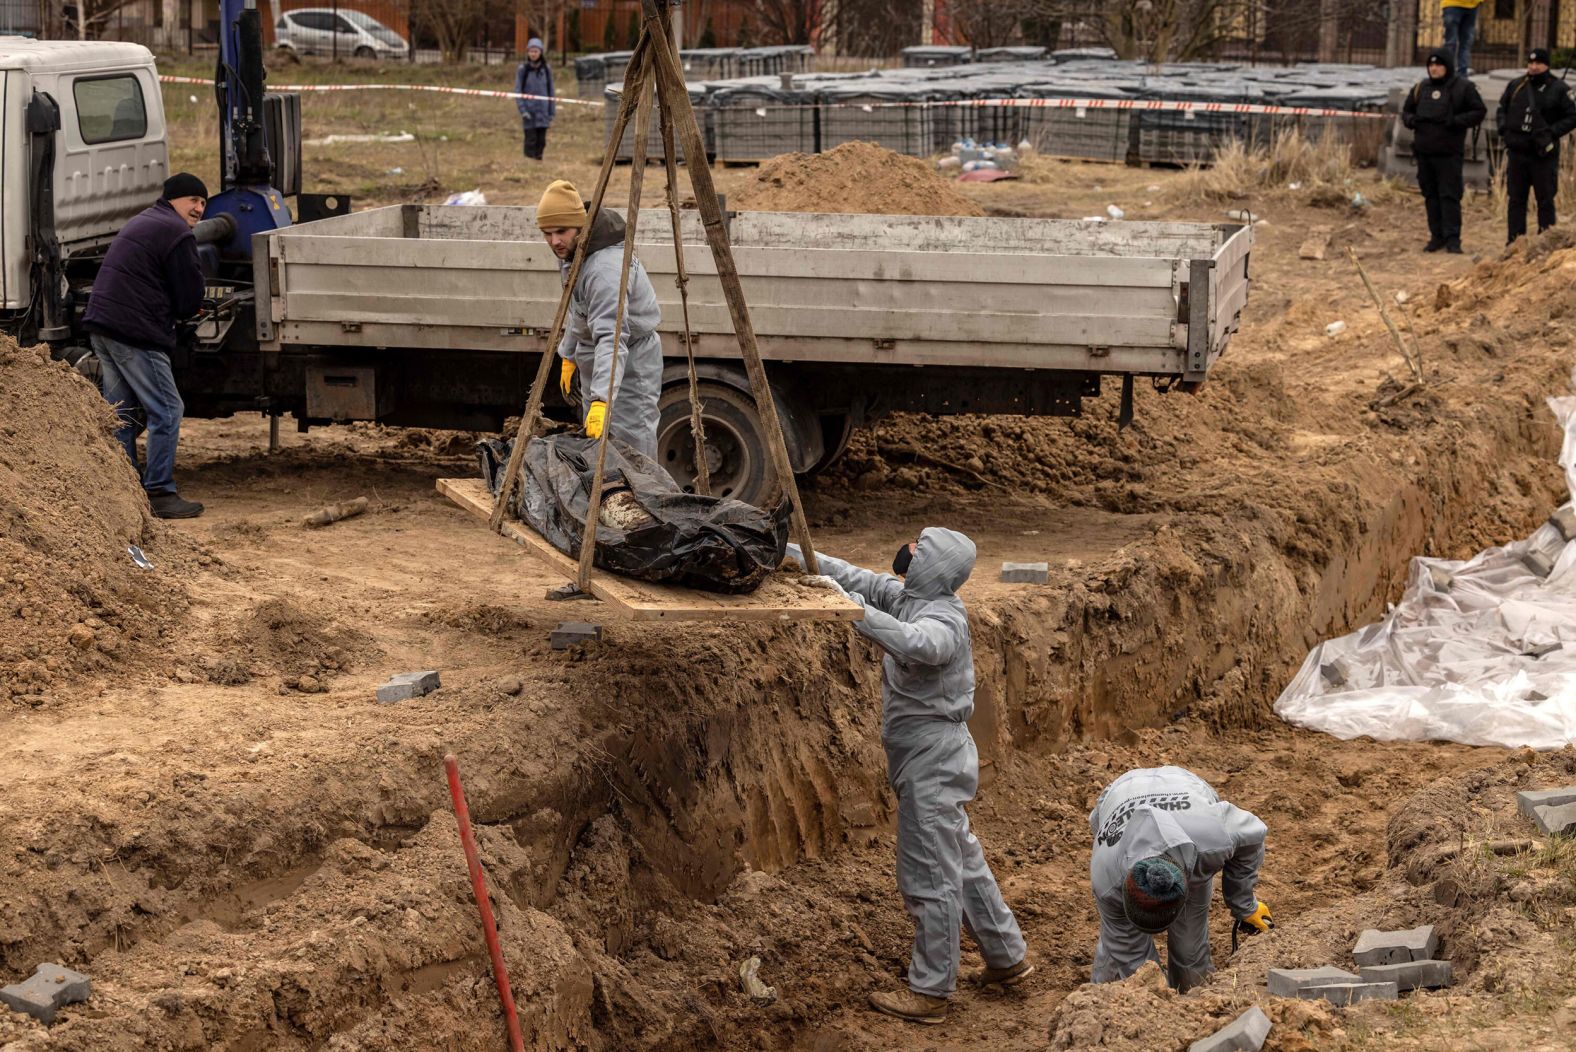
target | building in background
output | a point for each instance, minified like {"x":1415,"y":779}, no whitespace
{"x":1257,"y":31}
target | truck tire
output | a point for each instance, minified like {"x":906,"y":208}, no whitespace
{"x":837,"y":431}
{"x":740,"y":465}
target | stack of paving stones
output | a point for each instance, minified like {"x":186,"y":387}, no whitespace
{"x":1388,"y":963}
{"x":1553,"y":811}
{"x":837,"y":108}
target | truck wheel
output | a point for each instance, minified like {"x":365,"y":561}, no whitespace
{"x":735,"y":450}
{"x":836,"y":432}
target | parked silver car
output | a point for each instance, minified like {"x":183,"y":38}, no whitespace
{"x":343,"y":33}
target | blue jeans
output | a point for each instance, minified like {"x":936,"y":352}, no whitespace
{"x":1460,"y":28}
{"x":141,"y":377}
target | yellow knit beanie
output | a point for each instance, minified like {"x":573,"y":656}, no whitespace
{"x":560,"y":206}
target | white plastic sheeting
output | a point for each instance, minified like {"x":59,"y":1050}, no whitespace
{"x":1481,"y":652}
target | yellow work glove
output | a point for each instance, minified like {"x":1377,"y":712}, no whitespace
{"x":566,"y":378}
{"x":1257,"y":922}
{"x":595,"y":419}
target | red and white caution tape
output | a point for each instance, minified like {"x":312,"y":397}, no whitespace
{"x":434,"y":88}
{"x":1172,"y":105}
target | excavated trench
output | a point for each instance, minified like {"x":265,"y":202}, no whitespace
{"x":714,"y":793}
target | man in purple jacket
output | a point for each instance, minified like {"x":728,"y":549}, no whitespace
{"x":149,"y":281}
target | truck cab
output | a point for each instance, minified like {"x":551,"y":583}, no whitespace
{"x":82,"y":150}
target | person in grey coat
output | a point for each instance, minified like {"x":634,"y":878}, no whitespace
{"x":1160,"y":836}
{"x":590,"y":346}
{"x":927,"y":695}
{"x":535,"y":77}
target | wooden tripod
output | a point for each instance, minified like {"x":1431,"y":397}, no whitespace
{"x":655,"y":63}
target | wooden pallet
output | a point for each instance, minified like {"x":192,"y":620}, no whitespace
{"x":778,"y":599}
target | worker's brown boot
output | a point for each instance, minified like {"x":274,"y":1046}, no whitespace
{"x":1008,"y":976}
{"x":906,"y":1004}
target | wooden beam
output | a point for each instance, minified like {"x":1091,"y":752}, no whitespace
{"x":675,"y":95}
{"x":533,"y":404}
{"x":637,"y":176}
{"x":697,"y":425}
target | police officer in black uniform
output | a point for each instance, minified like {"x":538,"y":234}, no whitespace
{"x":1440,"y":110}
{"x":1535,"y":112}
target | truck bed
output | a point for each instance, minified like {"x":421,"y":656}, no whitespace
{"x":1102,"y":298}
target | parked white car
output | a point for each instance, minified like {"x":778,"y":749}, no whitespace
{"x":345,"y":33}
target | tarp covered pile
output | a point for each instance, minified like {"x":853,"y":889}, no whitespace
{"x":1481,"y":652}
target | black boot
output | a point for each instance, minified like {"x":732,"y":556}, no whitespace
{"x":1453,"y":247}
{"x":1434,"y":244}
{"x":172,"y":506}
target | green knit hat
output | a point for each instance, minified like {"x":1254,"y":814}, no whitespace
{"x":1153,"y":894}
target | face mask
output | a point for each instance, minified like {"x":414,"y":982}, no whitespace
{"x":901,"y":561}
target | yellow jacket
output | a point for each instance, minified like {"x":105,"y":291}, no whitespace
{"x":1460,"y":3}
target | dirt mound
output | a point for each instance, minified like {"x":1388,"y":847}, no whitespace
{"x":72,"y":600}
{"x":856,"y":177}
{"x":277,"y":636}
{"x":1143,"y":1013}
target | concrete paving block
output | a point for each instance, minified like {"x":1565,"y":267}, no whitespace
{"x":1026,"y":573}
{"x":1564,"y":520}
{"x":1396,"y":947}
{"x":1537,"y":562}
{"x":1413,"y":975}
{"x":1555,"y":821}
{"x":571,"y":633}
{"x":1246,"y":1033}
{"x":408,"y":685}
{"x":1344,"y":994}
{"x":1286,"y":982}
{"x":46,"y":992}
{"x":1529,"y":801}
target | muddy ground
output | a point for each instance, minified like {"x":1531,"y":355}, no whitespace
{"x":207,"y":811}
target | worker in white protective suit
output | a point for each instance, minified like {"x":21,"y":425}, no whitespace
{"x":916,"y":617}
{"x":1160,"y":836}
{"x":589,"y":345}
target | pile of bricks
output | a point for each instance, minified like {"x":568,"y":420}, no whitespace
{"x":1388,"y":963}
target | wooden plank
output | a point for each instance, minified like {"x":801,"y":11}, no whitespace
{"x":776,"y":600}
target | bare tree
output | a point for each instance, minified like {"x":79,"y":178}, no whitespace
{"x":453,"y":23}
{"x":987,"y":23}
{"x":876,"y":27}
{"x":786,"y":21}
{"x":86,"y":19}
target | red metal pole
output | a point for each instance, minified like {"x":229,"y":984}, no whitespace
{"x":479,"y":886}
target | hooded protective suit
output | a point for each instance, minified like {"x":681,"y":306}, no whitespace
{"x":590,"y":343}
{"x":927,"y":695}
{"x":1172,"y":812}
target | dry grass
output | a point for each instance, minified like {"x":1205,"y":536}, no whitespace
{"x":1320,"y":167}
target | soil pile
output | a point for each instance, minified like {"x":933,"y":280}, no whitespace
{"x":856,"y":177}
{"x":71,"y":599}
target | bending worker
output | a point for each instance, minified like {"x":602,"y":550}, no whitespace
{"x":927,"y":688}
{"x":1160,"y":836}
{"x":590,"y":346}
